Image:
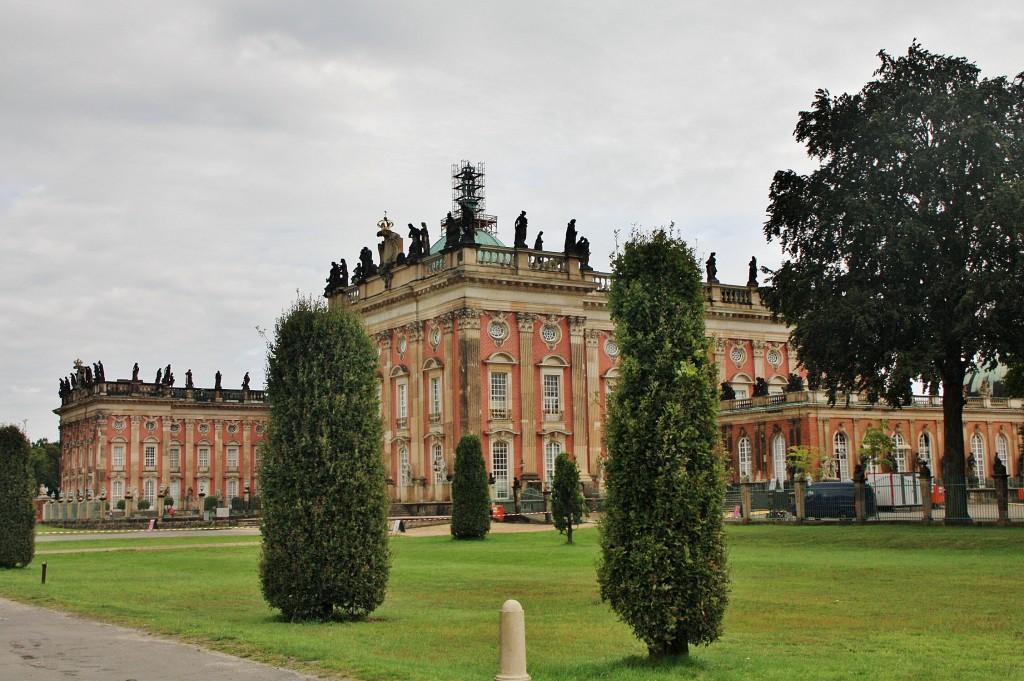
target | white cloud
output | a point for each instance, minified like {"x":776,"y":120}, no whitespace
{"x":173,"y":172}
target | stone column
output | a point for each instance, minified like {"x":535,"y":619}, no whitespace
{"x":189,"y":465}
{"x":858,"y":486}
{"x":577,"y":326}
{"x":800,"y":498}
{"x":745,"y":501}
{"x":449,"y":381}
{"x":470,"y":404}
{"x":925,"y":481}
{"x":999,"y":478}
{"x":418,"y":456}
{"x":527,"y":394}
{"x":759,"y":364}
{"x":134,"y":450}
{"x":719,"y":345}
{"x":216,"y":461}
{"x":245,"y":467}
{"x":593,"y":405}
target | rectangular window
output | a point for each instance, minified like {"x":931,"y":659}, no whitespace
{"x":232,"y":489}
{"x":403,"y":405}
{"x":150,"y":456}
{"x":175,"y":458}
{"x":149,"y":491}
{"x":435,"y":400}
{"x":117,"y":490}
{"x":499,"y":468}
{"x":552,"y":397}
{"x":117,"y":459}
{"x":204,"y":457}
{"x":499,"y":396}
{"x":176,"y":491}
{"x":232,"y":457}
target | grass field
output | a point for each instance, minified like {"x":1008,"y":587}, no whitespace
{"x":877,"y":602}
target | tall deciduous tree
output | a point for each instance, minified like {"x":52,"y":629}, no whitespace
{"x":904,"y":248}
{"x":322,"y":479}
{"x":46,"y":463}
{"x":567,"y":502}
{"x":663,"y":562}
{"x":17,"y":513}
{"x":471,"y":498}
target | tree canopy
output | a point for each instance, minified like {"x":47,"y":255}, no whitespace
{"x":322,"y":480}
{"x":663,"y":561}
{"x":904,"y":247}
{"x":17,"y":512}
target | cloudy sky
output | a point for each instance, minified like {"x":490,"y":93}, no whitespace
{"x":173,"y":173}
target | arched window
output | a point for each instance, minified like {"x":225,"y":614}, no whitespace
{"x":552,"y":448}
{"x":499,"y":468}
{"x":899,"y":445}
{"x":842,"y":455}
{"x":744,"y":449}
{"x":978,"y":457}
{"x":779,"y":457}
{"x":1003,"y":450}
{"x":924,"y":449}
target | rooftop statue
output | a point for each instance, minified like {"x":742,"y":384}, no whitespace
{"x":570,"y":237}
{"x":451,"y":232}
{"x":538,"y":245}
{"x":712,"y":268}
{"x":391,"y":247}
{"x":752,"y":273}
{"x":521,"y":224}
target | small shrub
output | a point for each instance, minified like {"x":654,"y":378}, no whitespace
{"x":143,"y":504}
{"x":168,"y":501}
{"x":471,"y":499}
{"x":237,"y":504}
{"x":567,"y":503}
{"x":120,"y":505}
{"x":211,"y":502}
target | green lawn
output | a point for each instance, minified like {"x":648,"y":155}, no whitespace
{"x":817,"y":602}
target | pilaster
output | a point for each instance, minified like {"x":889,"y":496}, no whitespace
{"x":527,"y":394}
{"x":577,"y":326}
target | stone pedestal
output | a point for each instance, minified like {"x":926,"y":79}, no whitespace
{"x":800,"y":499}
{"x":512,"y":643}
{"x":926,"y":498}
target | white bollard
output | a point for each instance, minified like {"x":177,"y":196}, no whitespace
{"x":512,"y":643}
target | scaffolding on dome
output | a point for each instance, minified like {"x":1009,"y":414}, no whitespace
{"x":468,"y":189}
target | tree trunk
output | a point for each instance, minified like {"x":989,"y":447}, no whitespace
{"x":568,"y":532}
{"x":679,"y":647}
{"x":954,"y":476}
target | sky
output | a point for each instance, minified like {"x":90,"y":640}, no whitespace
{"x":174,"y":174}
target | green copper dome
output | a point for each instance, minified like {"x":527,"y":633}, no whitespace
{"x":483,"y":238}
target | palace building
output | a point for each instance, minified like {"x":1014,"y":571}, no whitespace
{"x":514,"y":344}
{"x":128,"y":437}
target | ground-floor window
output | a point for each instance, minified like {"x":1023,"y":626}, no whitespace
{"x":149,"y":487}
{"x":551,"y":451}
{"x":499,"y":469}
{"x":779,"y":458}
{"x":978,"y":457}
{"x":842,"y":455}
{"x":437,"y":455}
{"x":746,"y":469}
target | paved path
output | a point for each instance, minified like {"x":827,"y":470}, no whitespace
{"x":43,"y":645}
